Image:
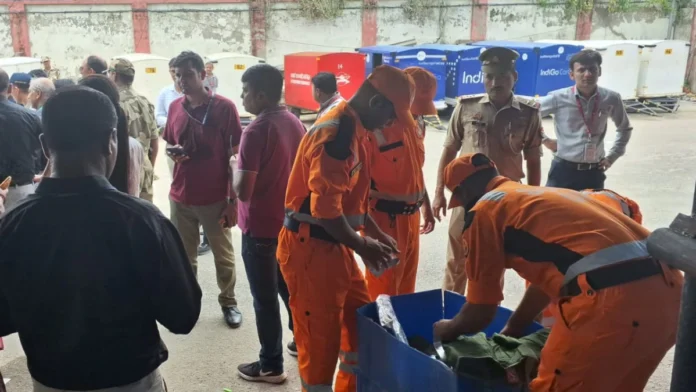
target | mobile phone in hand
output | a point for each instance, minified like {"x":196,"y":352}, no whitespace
{"x":176,"y":150}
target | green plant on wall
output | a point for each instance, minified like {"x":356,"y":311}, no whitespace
{"x":321,"y":9}
{"x":573,"y":7}
{"x":418,"y":10}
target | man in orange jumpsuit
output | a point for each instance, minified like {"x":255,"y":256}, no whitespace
{"x":618,"y":307}
{"x":398,"y":194}
{"x":326,"y":203}
{"x":612,"y":199}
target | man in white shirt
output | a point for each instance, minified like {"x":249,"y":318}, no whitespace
{"x":581,"y":113}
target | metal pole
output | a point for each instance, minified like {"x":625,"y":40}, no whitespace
{"x":672,"y":20}
{"x":676,"y":246}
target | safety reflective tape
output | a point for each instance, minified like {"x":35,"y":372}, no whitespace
{"x":608,"y":256}
{"x":409,"y":199}
{"x":348,"y":356}
{"x":355,"y":221}
{"x":347,"y":368}
{"x":379,"y":135}
{"x":325,"y":124}
{"x":493,"y":196}
{"x":316,"y":387}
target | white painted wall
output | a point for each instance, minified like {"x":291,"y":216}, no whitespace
{"x":527,"y":22}
{"x":70,"y":33}
{"x":642,"y":24}
{"x":394,"y":27}
{"x":288,"y":31}
{"x":5,"y":37}
{"x":203,"y":28}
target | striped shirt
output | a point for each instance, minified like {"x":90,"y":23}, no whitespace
{"x":571,"y":128}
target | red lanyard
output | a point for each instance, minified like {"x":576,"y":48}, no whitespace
{"x":595,"y":112}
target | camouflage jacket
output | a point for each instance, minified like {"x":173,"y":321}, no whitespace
{"x":140,"y":114}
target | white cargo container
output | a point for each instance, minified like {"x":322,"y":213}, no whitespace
{"x":151,"y":74}
{"x":620,"y":64}
{"x":662,"y":67}
{"x":20,"y":64}
{"x":229,"y":68}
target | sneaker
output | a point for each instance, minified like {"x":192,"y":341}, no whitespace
{"x":203,"y":249}
{"x":254,"y":372}
{"x":292,"y":348}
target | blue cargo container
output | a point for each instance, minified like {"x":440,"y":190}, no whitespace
{"x":387,"y":365}
{"x":432,"y":59}
{"x":464,"y":76}
{"x":542,"y":67}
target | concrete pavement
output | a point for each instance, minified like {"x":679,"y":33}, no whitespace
{"x":657,"y":172}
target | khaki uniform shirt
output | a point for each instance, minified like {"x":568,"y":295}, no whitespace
{"x":54,"y":74}
{"x":505,"y":135}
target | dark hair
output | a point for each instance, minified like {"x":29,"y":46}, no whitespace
{"x":325,"y":82}
{"x":101,"y":83}
{"x":172,"y":62}
{"x":4,"y":81}
{"x":97,"y":64}
{"x":22,"y":86}
{"x":77,"y":119}
{"x":586,"y":57}
{"x":38,"y":73}
{"x":190,"y":58}
{"x":60,"y":83}
{"x":266,"y":78}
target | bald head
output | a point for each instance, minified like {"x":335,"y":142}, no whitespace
{"x":4,"y":82}
{"x":40,"y":90}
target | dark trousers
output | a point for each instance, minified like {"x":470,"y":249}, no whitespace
{"x":564,"y":174}
{"x":266,"y":282}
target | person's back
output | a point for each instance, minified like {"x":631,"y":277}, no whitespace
{"x":89,"y":248}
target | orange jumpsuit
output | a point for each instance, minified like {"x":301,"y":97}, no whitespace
{"x":615,"y":322}
{"x":397,"y":157}
{"x":330,"y":178}
{"x":612,"y":199}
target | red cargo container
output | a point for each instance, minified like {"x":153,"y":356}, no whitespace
{"x":300,"y":68}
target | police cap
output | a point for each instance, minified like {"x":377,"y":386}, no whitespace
{"x":498,"y":60}
{"x":122,"y":66}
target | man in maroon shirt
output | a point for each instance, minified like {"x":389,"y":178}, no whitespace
{"x":202,"y":133}
{"x":266,"y":154}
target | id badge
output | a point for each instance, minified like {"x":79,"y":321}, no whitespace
{"x":590,"y":152}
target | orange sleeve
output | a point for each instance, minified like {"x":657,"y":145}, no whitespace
{"x":329,"y":179}
{"x":485,"y":262}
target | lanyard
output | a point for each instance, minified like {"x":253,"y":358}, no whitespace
{"x":595,"y":112}
{"x":207,"y":110}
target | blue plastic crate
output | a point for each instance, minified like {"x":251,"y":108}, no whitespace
{"x":387,"y":365}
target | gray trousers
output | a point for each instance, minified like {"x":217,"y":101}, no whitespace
{"x":153,"y":382}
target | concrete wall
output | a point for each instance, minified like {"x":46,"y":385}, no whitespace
{"x":288,"y":31}
{"x":70,"y":33}
{"x":394,"y":26}
{"x":525,"y":21}
{"x":5,"y":37}
{"x":215,"y":28}
{"x":641,"y":24}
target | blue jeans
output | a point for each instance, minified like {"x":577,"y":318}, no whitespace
{"x":566,"y":175}
{"x":266,"y":282}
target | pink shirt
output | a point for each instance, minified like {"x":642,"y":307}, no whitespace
{"x":268,"y":148}
{"x":207,"y":133}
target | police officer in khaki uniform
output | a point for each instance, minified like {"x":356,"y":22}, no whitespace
{"x":141,"y":120}
{"x":505,"y":127}
{"x":53,"y":73}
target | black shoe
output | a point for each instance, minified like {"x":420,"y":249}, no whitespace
{"x":254,"y":372}
{"x":203,"y":249}
{"x":233,"y":317}
{"x":292,"y":348}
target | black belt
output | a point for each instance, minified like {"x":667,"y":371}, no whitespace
{"x":397,"y":207}
{"x":578,"y":166}
{"x":614,"y":275}
{"x":315,"y":231}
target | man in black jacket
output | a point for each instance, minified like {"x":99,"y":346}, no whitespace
{"x":80,"y":279}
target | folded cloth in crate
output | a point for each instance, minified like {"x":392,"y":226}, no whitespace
{"x":490,"y":359}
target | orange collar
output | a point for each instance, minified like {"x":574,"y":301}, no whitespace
{"x":496,"y":182}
